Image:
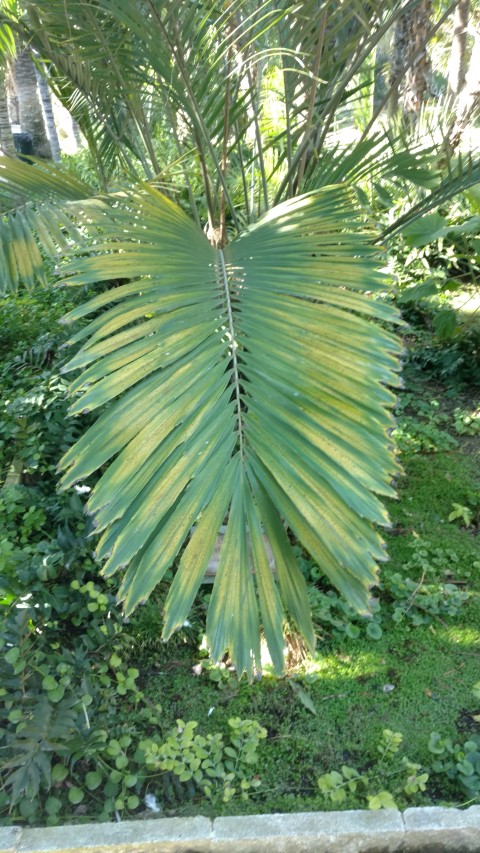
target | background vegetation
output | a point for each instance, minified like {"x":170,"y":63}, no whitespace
{"x":231,"y":111}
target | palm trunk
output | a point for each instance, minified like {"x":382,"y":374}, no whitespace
{"x":411,"y":32}
{"x":457,"y":65}
{"x":382,"y":57}
{"x":6,"y":136}
{"x":30,"y":109}
{"x":77,"y":133}
{"x":468,"y":101}
{"x":46,"y":99}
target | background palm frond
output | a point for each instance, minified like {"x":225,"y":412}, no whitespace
{"x":43,"y":210}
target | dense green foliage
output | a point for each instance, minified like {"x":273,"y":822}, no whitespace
{"x":92,"y":705}
{"x":231,"y":365}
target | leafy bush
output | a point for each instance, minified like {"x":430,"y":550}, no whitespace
{"x":421,"y":426}
{"x":416,"y":596}
{"x":60,"y":624}
{"x":389,"y":780}
{"x":459,"y":762}
{"x":467,"y":421}
{"x":26,"y":319}
{"x":207,"y":763}
{"x":34,"y":430}
{"x":439,"y":253}
{"x":437,"y":257}
{"x":454,"y":360}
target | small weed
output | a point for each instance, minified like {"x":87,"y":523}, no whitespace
{"x":467,"y":422}
{"x":461,"y":513}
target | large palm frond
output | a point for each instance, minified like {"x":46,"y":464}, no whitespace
{"x":247,"y":384}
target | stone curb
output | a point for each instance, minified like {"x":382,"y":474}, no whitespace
{"x":429,"y":830}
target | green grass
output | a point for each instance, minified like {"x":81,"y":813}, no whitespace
{"x":431,"y":668}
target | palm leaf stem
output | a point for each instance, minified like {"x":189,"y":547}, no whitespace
{"x":313,"y":91}
{"x":191,"y":197}
{"x":233,"y":348}
{"x":196,"y":115}
{"x":243,"y":173}
{"x":226,"y":128}
{"x":206,"y":184}
{"x":332,"y":103}
{"x":258,"y":135}
{"x":288,"y":130}
{"x":139,"y":121}
{"x":255,"y":95}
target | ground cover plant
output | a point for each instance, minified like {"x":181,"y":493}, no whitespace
{"x":101,"y":719}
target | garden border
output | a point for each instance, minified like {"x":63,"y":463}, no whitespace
{"x":430,"y":830}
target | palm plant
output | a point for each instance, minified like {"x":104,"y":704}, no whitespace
{"x":240,"y":379}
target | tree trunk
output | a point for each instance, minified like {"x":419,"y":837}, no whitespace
{"x":31,"y":115}
{"x":46,"y":99}
{"x":6,"y":136}
{"x":77,"y":133}
{"x":468,"y":101}
{"x":457,"y":65}
{"x":382,"y":61}
{"x":411,"y":31}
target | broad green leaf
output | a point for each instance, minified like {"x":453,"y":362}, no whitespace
{"x":245,"y":387}
{"x":445,"y":323}
{"x":75,"y":795}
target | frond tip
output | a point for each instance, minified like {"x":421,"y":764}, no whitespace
{"x":248,"y":387}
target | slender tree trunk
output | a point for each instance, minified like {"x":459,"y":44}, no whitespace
{"x":468,"y":101}
{"x":46,"y":99}
{"x":77,"y":133}
{"x":382,"y":60}
{"x":31,"y":115}
{"x":6,"y":136}
{"x":11,"y":94}
{"x":457,"y":66}
{"x":411,"y":31}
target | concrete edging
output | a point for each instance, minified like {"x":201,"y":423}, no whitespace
{"x":430,"y":830}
